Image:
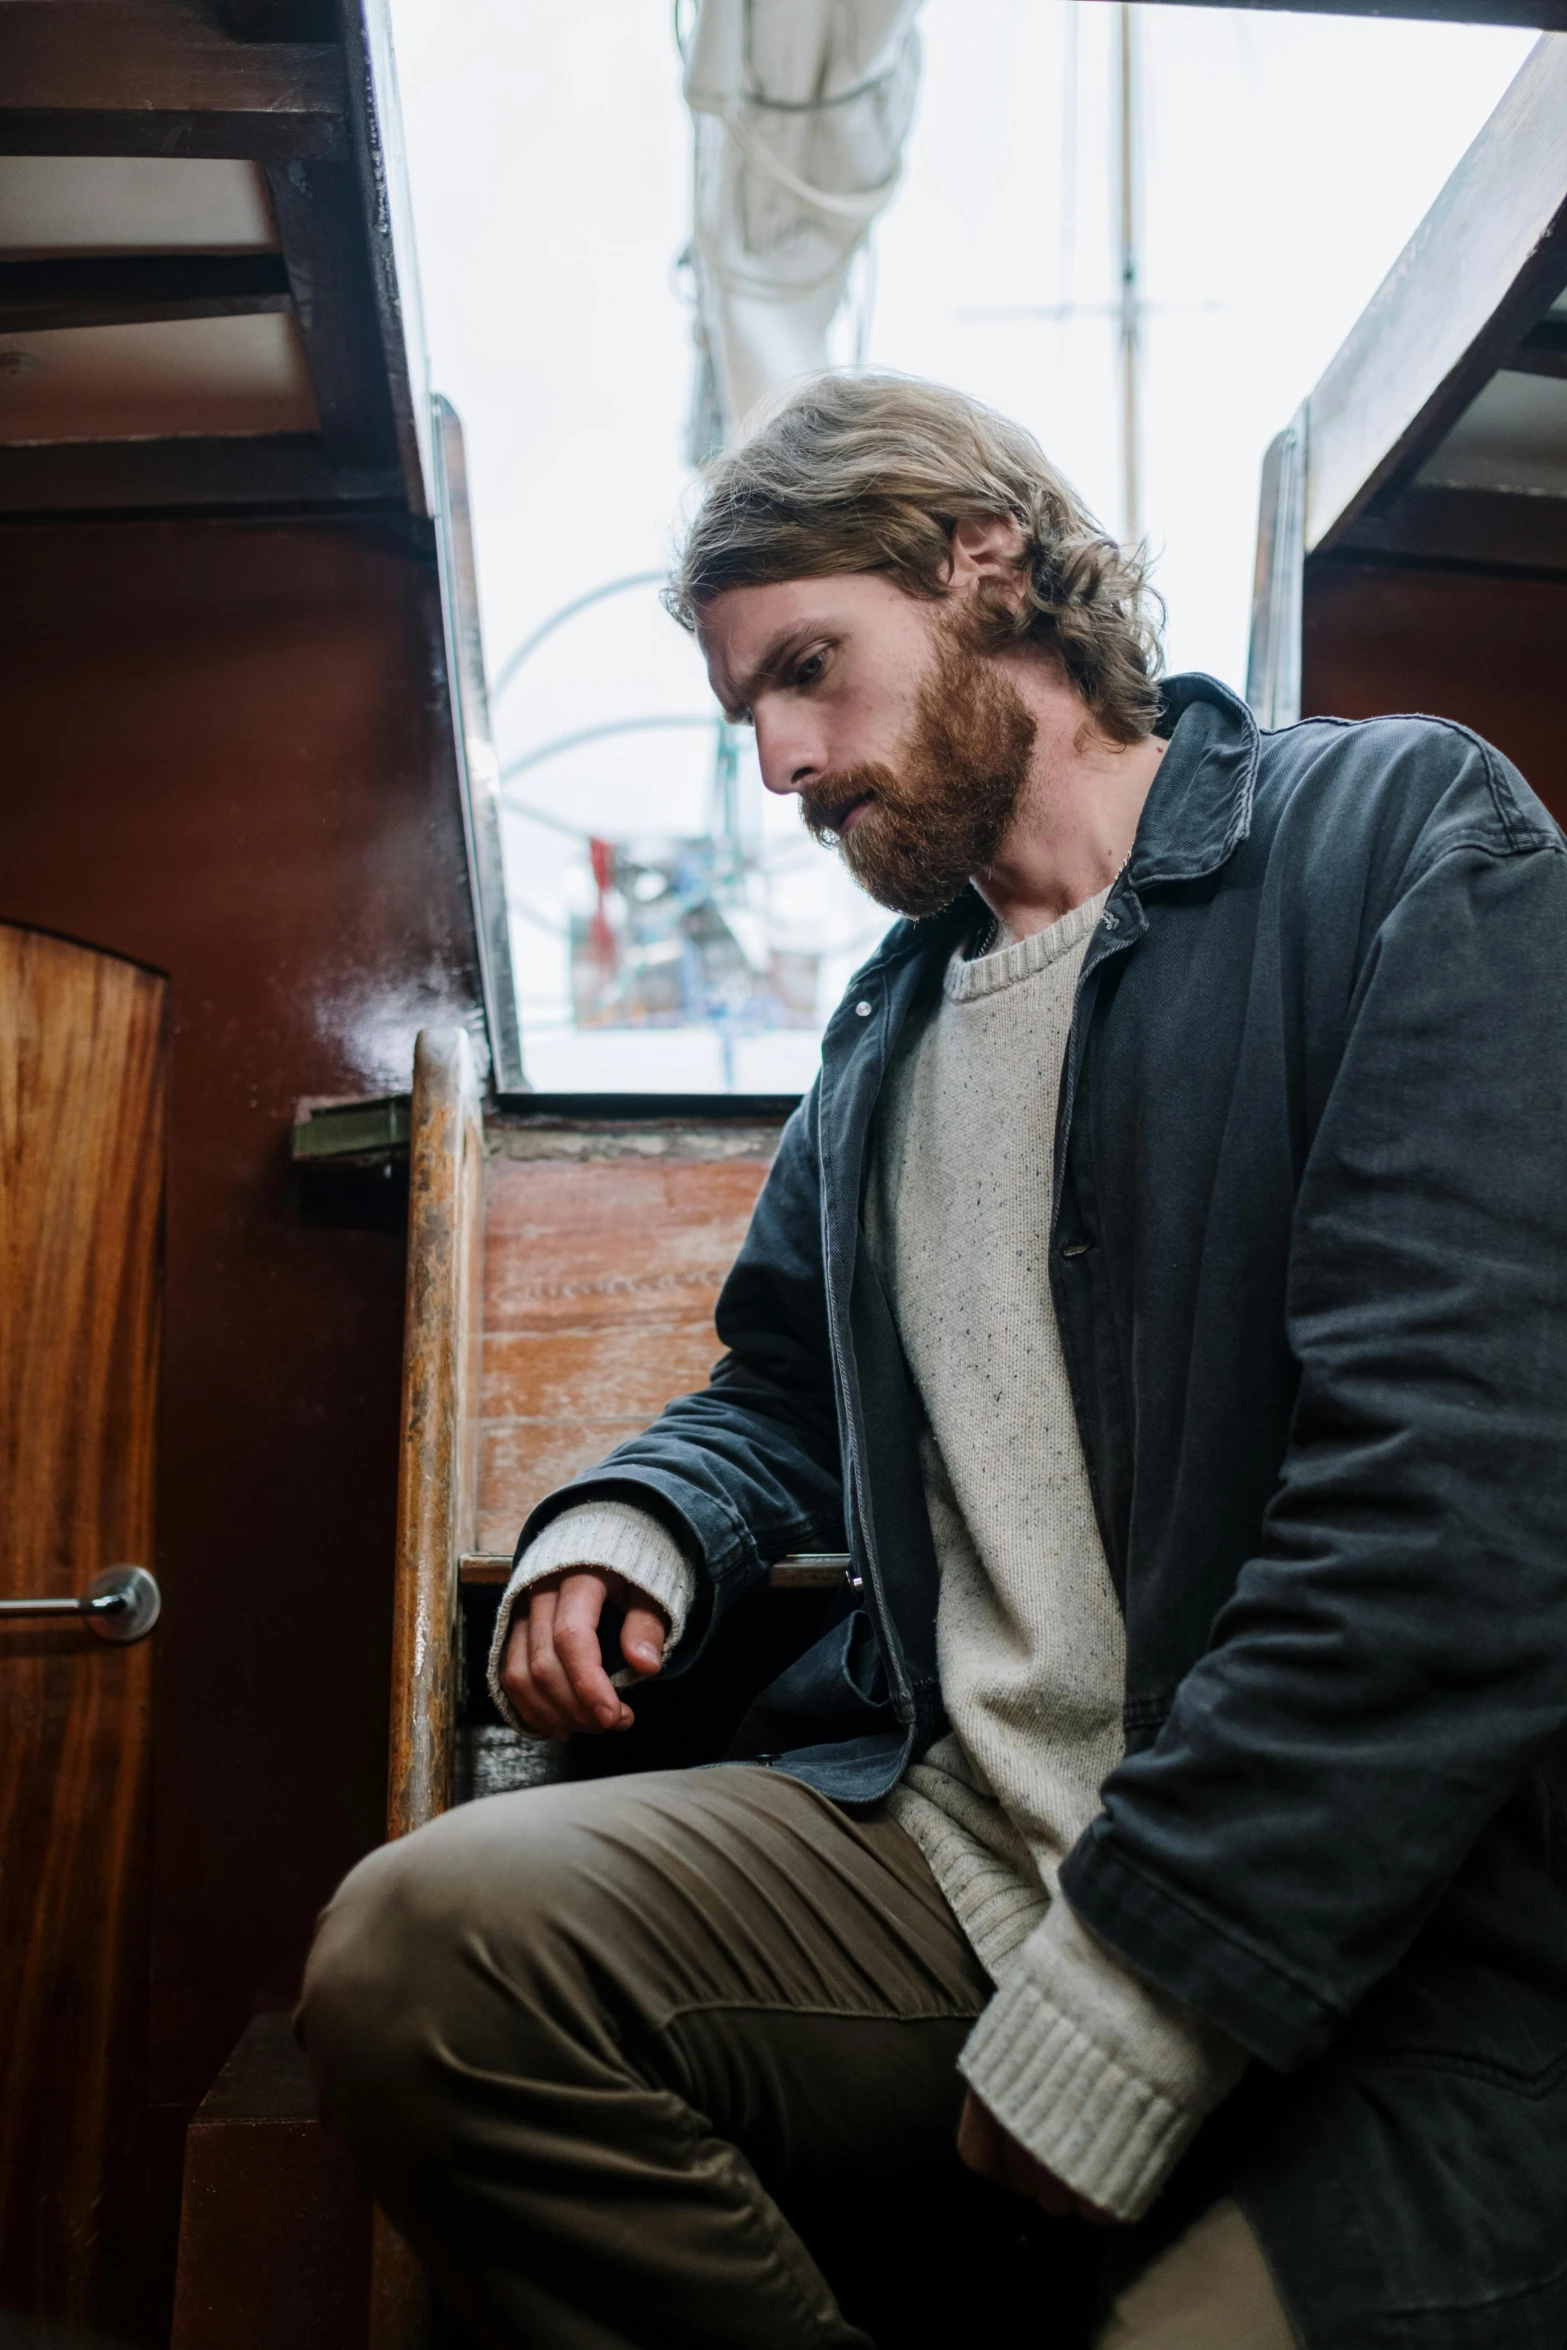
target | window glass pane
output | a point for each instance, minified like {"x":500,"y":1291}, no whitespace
{"x":673,"y":927}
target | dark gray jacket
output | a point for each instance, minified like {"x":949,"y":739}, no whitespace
{"x":1309,"y":1258}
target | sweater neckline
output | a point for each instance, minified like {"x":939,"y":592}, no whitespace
{"x":1021,"y":958}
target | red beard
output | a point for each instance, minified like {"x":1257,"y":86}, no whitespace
{"x":940,"y":817}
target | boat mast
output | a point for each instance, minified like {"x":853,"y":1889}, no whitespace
{"x":1130,"y":312}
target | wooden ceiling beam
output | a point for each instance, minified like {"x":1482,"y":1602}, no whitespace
{"x":125,"y":289}
{"x":387,"y":211}
{"x":1474,"y":280}
{"x":231,"y":472}
{"x":272,"y":20}
{"x":1487,"y":530}
{"x":321,"y":226}
{"x":124,"y":77}
{"x":1544,"y":352}
{"x":169,"y":77}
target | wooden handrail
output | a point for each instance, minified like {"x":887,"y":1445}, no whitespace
{"x":437,"y":1487}
{"x":437,"y":1479}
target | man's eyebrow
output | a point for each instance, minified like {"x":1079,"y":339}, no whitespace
{"x":774,"y":658}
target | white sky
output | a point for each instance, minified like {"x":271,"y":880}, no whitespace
{"x":1285,"y":161}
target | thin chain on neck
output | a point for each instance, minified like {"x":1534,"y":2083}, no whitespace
{"x":989,"y":940}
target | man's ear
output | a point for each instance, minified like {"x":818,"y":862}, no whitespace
{"x":985,"y":551}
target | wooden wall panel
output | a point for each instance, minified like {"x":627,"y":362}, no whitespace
{"x":600,"y":1278}
{"x":227,"y":756}
{"x":1486,"y":649}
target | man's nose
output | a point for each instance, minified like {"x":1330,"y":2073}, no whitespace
{"x":787,"y":755}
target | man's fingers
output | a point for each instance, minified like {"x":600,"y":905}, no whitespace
{"x":576,"y":1640}
{"x":554,"y":1671}
{"x":980,"y":2140}
{"x":992,"y":2151}
{"x":642,"y":1637}
{"x":517,"y":1678}
{"x":1031,"y":2178}
{"x":550,"y":1677}
{"x":546,"y":1675}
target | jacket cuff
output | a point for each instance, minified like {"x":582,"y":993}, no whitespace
{"x":611,"y":1534}
{"x":1103,"y":2077}
{"x":1195,"y":1954}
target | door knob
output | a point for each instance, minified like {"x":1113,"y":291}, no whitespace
{"x":121,"y":1605}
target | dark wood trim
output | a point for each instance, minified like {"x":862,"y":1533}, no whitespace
{"x":271,"y":20}
{"x":227,"y":473}
{"x":482,"y":1570}
{"x":1491,"y":530}
{"x":317,"y":210}
{"x":1474,"y":279}
{"x":120,"y":289}
{"x":387,"y":214}
{"x":1529,"y":360}
{"x":1543,"y":351}
{"x":593,"y":1109}
{"x":800,"y":1571}
{"x":112,"y":77}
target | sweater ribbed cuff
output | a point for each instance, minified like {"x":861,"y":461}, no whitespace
{"x":610,"y":1534}
{"x":1103,"y":2077}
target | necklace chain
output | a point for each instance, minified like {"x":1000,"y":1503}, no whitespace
{"x":986,"y":942}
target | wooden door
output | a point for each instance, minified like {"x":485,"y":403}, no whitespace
{"x":81,"y":1186}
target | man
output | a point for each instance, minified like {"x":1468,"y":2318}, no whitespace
{"x":1161,"y":1293}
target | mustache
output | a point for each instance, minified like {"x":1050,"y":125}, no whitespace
{"x":825,"y":803}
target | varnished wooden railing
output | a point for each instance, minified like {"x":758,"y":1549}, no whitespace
{"x":436,"y":1480}
{"x":435,"y":1513}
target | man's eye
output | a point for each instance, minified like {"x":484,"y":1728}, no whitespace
{"x":810,"y":669}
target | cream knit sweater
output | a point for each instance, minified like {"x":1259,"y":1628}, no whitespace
{"x":1099,"y":2074}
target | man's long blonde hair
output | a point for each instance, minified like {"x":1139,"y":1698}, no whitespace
{"x":873,"y":473}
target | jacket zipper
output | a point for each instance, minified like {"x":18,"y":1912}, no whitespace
{"x":871,"y":1584}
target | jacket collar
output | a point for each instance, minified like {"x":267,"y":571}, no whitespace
{"x":1199,"y":809}
{"x":1195,"y":816}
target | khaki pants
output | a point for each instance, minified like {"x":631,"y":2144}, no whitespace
{"x":589,"y":2042}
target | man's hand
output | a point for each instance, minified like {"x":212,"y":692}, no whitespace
{"x":987,"y":2148}
{"x":553,"y":1672}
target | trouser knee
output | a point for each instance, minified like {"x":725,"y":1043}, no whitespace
{"x":443,"y":1959}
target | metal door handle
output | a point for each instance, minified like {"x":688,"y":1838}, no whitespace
{"x":120,"y":1605}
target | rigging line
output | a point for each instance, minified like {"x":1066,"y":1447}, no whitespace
{"x":527,"y":913}
{"x":532,"y":815}
{"x":614,"y":587}
{"x":1130,"y":336}
{"x":1057,"y":310}
{"x":1066,"y":255}
{"x":593,"y":734}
